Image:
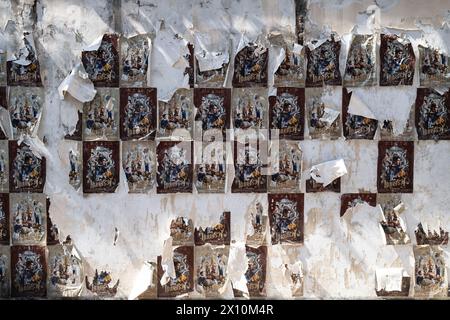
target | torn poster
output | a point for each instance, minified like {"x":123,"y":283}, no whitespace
{"x":255,"y":274}
{"x":29,"y":218}
{"x":4,"y":166}
{"x":395,"y":166}
{"x":52,"y":228}
{"x":249,"y":159}
{"x":213,"y":111}
{"x":397,"y":61}
{"x":23,"y":67}
{"x":135,"y":61}
{"x":4,"y":219}
{"x":286,"y":165}
{"x":258,"y":219}
{"x":250,"y":64}
{"x":102,"y":284}
{"x":66,"y":275}
{"x":358,"y":121}
{"x":77,"y":134}
{"x":26,"y":169}
{"x":139,"y":165}
{"x":287,"y":113}
{"x":101,"y":61}
{"x":351,"y":200}
{"x":393,"y":225}
{"x":210,"y":170}
{"x":431,"y":237}
{"x":176,"y":117}
{"x":290,"y":64}
{"x":182,"y":231}
{"x":183,"y":282}
{"x":78,"y":85}
{"x":25,"y":108}
{"x":138,"y":113}
{"x":430,"y":269}
{"x":295,"y":273}
{"x":101,"y":165}
{"x":360,"y":69}
{"x":286,"y":216}
{"x":5,"y":275}
{"x":250,"y":110}
{"x":323,"y":62}
{"x":75,"y":172}
{"x":326,"y":172}
{"x":101,"y":115}
{"x":175,"y":167}
{"x":218,"y":234}
{"x":2,"y":67}
{"x":432,"y":114}
{"x":210,"y":269}
{"x":28,"y":271}
{"x":434,"y":67}
{"x":322,"y":106}
{"x":392,"y":282}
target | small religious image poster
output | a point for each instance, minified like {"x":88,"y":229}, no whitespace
{"x":397,"y":61}
{"x":356,"y":126}
{"x":28,"y":272}
{"x":249,"y":110}
{"x":431,"y":280}
{"x":137,"y":113}
{"x":291,"y":71}
{"x":434,"y":67}
{"x":175,"y":167}
{"x":182,"y":231}
{"x":24,"y":69}
{"x":139,"y":165}
{"x":258,"y":219}
{"x":4,"y":166}
{"x":214,"y":78}
{"x":324,"y":113}
{"x":210,"y":174}
{"x":102,"y":63}
{"x":393,"y":222}
{"x":5,"y":272}
{"x":287,"y":113}
{"x":323,"y":63}
{"x":4,"y":219}
{"x":176,"y":117}
{"x":101,"y":116}
{"x":286,"y":166}
{"x":249,"y":166}
{"x":28,"y":218}
{"x":183,"y":261}
{"x":76,"y":166}
{"x":250,"y":66}
{"x":256,"y":272}
{"x":25,"y":109}
{"x":432,"y":114}
{"x":351,"y":200}
{"x":217,"y":234}
{"x":426,"y":235}
{"x":135,"y":60}
{"x":26,"y":169}
{"x":210,"y":269}
{"x":213,"y":111}
{"x":103,"y":284}
{"x":286,"y":216}
{"x":101,"y":163}
{"x":395,"y":166}
{"x":360,"y":69}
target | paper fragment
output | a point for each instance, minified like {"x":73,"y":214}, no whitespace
{"x":78,"y":85}
{"x":327,"y":172}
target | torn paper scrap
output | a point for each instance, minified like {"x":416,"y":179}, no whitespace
{"x":389,"y":279}
{"x":236,"y":268}
{"x":94,"y":45}
{"x":78,"y":85}
{"x":327,"y":172}
{"x":167,"y":262}
{"x":211,"y":51}
{"x":329,"y":116}
{"x":359,"y":108}
{"x":5,"y":122}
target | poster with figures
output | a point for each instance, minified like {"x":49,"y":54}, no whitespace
{"x":26,"y":169}
{"x":25,"y":109}
{"x":65,"y":271}
{"x":393,"y":224}
{"x":101,"y":163}
{"x":210,"y":269}
{"x":287,"y":113}
{"x":324,"y":116}
{"x":5,"y":272}
{"x":397,"y":61}
{"x":183,"y":260}
{"x":4,"y":166}
{"x":258,"y":219}
{"x":176,"y":117}
{"x":291,"y":71}
{"x":250,"y":159}
{"x":217,"y":234}
{"x":76,"y":166}
{"x":360,"y":69}
{"x":102,"y":65}
{"x":135,"y":61}
{"x":323,"y":63}
{"x":250,"y":110}
{"x":28,"y":214}
{"x":286,"y":166}
{"x":175,"y":167}
{"x":210,"y":174}
{"x":210,"y":78}
{"x":4,"y":219}
{"x":139,"y":165}
{"x":28,"y":271}
{"x":395,"y":166}
{"x":101,"y":116}
{"x":432,"y":114}
{"x":250,"y":66}
{"x":434,"y":67}
{"x":255,"y":274}
{"x":213,"y":111}
{"x":431,"y":280}
{"x":182,"y":231}
{"x":286,"y":218}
